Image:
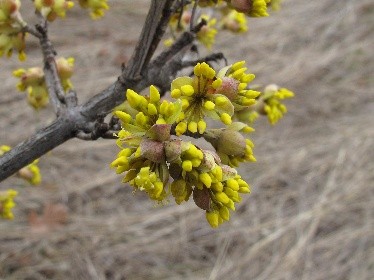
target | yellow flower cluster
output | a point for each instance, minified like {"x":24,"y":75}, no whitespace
{"x":160,"y":164}
{"x":32,"y":80}
{"x":273,"y":108}
{"x":11,"y":24}
{"x":149,"y":155}
{"x":234,"y":85}
{"x":211,"y":94}
{"x":97,"y":7}
{"x":179,"y":23}
{"x":198,"y":100}
{"x":224,"y":195}
{"x":148,"y":111}
{"x":144,"y":168}
{"x":51,"y":9}
{"x":30,"y":173}
{"x":234,"y":21}
{"x":215,"y":186}
{"x":207,"y":33}
{"x":7,"y":203}
{"x":143,"y":139}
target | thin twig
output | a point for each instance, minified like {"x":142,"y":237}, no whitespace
{"x":193,"y":13}
{"x":32,"y":30}
{"x":52,"y":79}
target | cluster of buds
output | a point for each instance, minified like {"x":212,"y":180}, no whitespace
{"x":97,"y":7}
{"x":180,"y":22}
{"x":32,"y":81}
{"x":7,"y":203}
{"x":11,"y":25}
{"x":153,"y":157}
{"x":268,"y":104}
{"x":51,"y":9}
{"x":143,"y":139}
{"x":30,"y":173}
{"x":273,"y":108}
{"x":222,"y":14}
{"x":214,"y":185}
{"x":234,"y":21}
{"x":211,"y":94}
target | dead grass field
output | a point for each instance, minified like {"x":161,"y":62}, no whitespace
{"x":311,"y":211}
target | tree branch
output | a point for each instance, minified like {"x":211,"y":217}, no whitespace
{"x":77,"y":119}
{"x":133,"y":76}
{"x":52,"y":79}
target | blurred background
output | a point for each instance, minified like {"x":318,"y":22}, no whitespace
{"x":310,"y":214}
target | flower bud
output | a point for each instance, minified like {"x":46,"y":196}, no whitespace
{"x":224,"y":213}
{"x":181,"y":128}
{"x":202,"y":198}
{"x":229,"y":87}
{"x":152,"y":150}
{"x":65,"y":67}
{"x":231,"y":142}
{"x":212,"y":218}
{"x":205,"y":179}
{"x":173,"y":150}
{"x":222,"y":197}
{"x":226,"y":118}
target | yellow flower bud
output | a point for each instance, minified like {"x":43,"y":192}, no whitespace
{"x":217,"y":83}
{"x":7,"y":203}
{"x":185,"y":104}
{"x":206,"y":179}
{"x":181,"y":128}
{"x":141,"y":119}
{"x":212,"y":218}
{"x":201,"y":126}
{"x":187,"y":165}
{"x":209,"y":105}
{"x":224,"y":213}
{"x":220,"y":100}
{"x":192,"y":126}
{"x":187,"y":90}
{"x":176,"y":93}
{"x":238,"y":65}
{"x":232,"y":184}
{"x":218,"y":187}
{"x":217,"y":172}
{"x":124,"y":117}
{"x":152,"y":110}
{"x":197,"y":70}
{"x":160,"y":121}
{"x":222,"y":197}
{"x":133,"y":98}
{"x":226,"y":119}
{"x":154,"y":94}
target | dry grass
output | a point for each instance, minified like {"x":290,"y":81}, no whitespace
{"x":311,"y":213}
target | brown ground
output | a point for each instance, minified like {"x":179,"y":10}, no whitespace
{"x":311,"y":212}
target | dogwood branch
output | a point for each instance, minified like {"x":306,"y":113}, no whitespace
{"x":83,"y":118}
